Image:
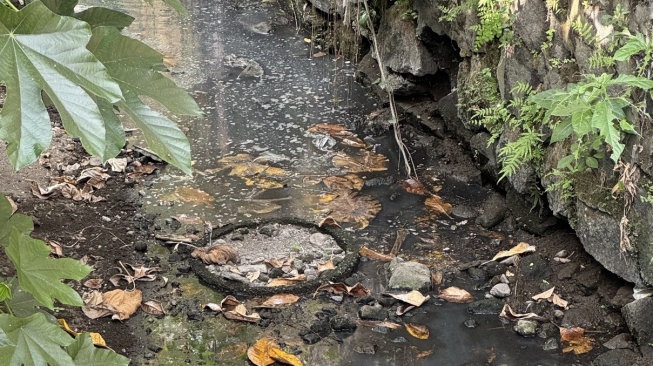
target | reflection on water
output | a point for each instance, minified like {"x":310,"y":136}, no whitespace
{"x":218,"y":54}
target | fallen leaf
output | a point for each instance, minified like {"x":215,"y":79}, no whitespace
{"x":348,"y":181}
{"x":544,"y":295}
{"x":508,"y":313}
{"x":340,"y":133}
{"x":414,"y":186}
{"x":117,"y":164}
{"x":375,"y":323}
{"x":216,"y":254}
{"x":94,"y":177}
{"x":374,"y":255}
{"x":279,"y":300}
{"x":94,"y":283}
{"x":340,"y":288}
{"x":97,"y":338}
{"x":55,"y":248}
{"x":284,"y":357}
{"x":329,"y":221}
{"x":414,"y":297}
{"x":94,"y":306}
{"x":259,"y":352}
{"x":290,"y":281}
{"x":153,"y":307}
{"x":557,"y":300}
{"x":363,"y":161}
{"x":319,"y":54}
{"x":254,"y":170}
{"x":403,"y":309}
{"x":233,"y":309}
{"x":253,"y":276}
{"x":520,"y":248}
{"x":552,"y":297}
{"x":259,"y":207}
{"x":435,"y":203}
{"x":140,"y":274}
{"x":436,"y":278}
{"x":352,"y":207}
{"x":124,"y":302}
{"x":424,"y":354}
{"x":456,"y":295}
{"x":418,"y":331}
{"x":576,"y":340}
{"x":321,"y":267}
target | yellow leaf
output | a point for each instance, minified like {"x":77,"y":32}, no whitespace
{"x":64,"y":325}
{"x":259,"y":352}
{"x":418,"y":331}
{"x":124,"y":302}
{"x":284,"y":357}
{"x":456,"y":295}
{"x":98,"y":340}
{"x":307,"y":40}
{"x":517,"y":249}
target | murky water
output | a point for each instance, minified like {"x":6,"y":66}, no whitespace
{"x":265,"y":112}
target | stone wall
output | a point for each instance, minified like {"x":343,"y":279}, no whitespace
{"x":417,"y":46}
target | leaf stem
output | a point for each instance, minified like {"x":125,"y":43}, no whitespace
{"x":11,"y":5}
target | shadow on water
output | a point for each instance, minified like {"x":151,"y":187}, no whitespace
{"x":267,"y":115}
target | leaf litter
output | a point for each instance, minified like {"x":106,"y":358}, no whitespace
{"x":347,"y":206}
{"x":552,"y":297}
{"x":233,"y":309}
{"x":266,"y":351}
{"x":455,"y":295}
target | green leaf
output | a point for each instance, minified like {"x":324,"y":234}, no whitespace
{"x":591,"y":162}
{"x":114,"y":133}
{"x":549,"y":98}
{"x":5,"y":291}
{"x":634,"y":81}
{"x":41,"y":275}
{"x":162,"y":135}
{"x":42,"y":51}
{"x":9,"y":221}
{"x":602,"y":120}
{"x":562,"y":130}
{"x":631,"y":47}
{"x":627,"y":127}
{"x":581,"y":122}
{"x":4,"y":340}
{"x":100,"y":17}
{"x":84,"y":353}
{"x":61,"y":7}
{"x":22,"y":303}
{"x":33,"y":341}
{"x":565,"y":162}
{"x":131,"y":63}
{"x":175,"y":4}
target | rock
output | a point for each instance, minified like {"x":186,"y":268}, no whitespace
{"x":617,"y":357}
{"x":268,"y":231}
{"x":550,"y":344}
{"x":195,"y":315}
{"x":639,"y":320}
{"x":585,"y":317}
{"x":409,"y":276}
{"x":321,"y":240}
{"x":140,"y":247}
{"x":533,"y":267}
{"x":526,"y":328}
{"x":380,"y":329}
{"x":246,"y":268}
{"x":183,"y":268}
{"x":376,"y":312}
{"x":404,"y":53}
{"x":387,"y":302}
{"x":366,"y":348}
{"x":399,"y":340}
{"x":342,"y":324}
{"x":486,"y":306}
{"x":471,"y":323}
{"x":234,"y":277}
{"x":493,"y":211}
{"x":275,"y":273}
{"x":477,"y":274}
{"x":623,"y":296}
{"x":310,"y":338}
{"x":500,"y":290}
{"x":589,"y":278}
{"x":321,"y":327}
{"x":620,"y":341}
{"x":567,"y":270}
{"x":493,"y":268}
{"x":465,"y":212}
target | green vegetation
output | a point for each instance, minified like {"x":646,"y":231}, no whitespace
{"x":495,"y":20}
{"x":83,"y":66}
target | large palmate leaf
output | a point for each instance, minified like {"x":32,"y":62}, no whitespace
{"x":84,"y":353}
{"x":134,"y":66}
{"x":42,"y":51}
{"x":10,"y":220}
{"x":96,"y":16}
{"x":41,"y":275}
{"x":32,"y":341}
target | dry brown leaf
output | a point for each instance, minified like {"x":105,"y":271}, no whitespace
{"x":124,"y":302}
{"x":414,"y":298}
{"x":435,"y":203}
{"x":254,"y":170}
{"x":279,"y":300}
{"x":418,"y":331}
{"x":55,"y":248}
{"x":286,"y":281}
{"x":346,"y":182}
{"x":551,"y":297}
{"x":436,"y":278}
{"x":424,"y":354}
{"x":544,"y":295}
{"x":340,"y":288}
{"x":328,"y":221}
{"x":94,"y":283}
{"x":557,"y":300}
{"x":520,"y":248}
{"x":414,"y":186}
{"x":339,"y":132}
{"x":508,"y":313}
{"x":576,"y":340}
{"x":190,"y":195}
{"x":374,"y":323}
{"x":259,"y":207}
{"x":216,"y":254}
{"x":321,"y":267}
{"x":153,"y":307}
{"x":456,"y":295}
{"x":94,"y":177}
{"x":117,"y":165}
{"x":363,"y":161}
{"x":259,"y":353}
{"x":374,"y":255}
{"x":233,"y":309}
{"x":403,"y":309}
{"x":274,"y":263}
{"x":94,"y":307}
{"x":352,"y":207}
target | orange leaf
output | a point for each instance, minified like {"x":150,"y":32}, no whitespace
{"x":374,"y":255}
{"x":414,"y":186}
{"x":436,"y":204}
{"x":418,"y":331}
{"x":284,"y":357}
{"x":577,"y":342}
{"x":259,"y":353}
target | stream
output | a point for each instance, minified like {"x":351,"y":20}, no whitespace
{"x":262,"y":84}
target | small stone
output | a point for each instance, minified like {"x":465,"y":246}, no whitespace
{"x":263,"y":278}
{"x":562,"y":253}
{"x":617,"y":357}
{"x":298,"y":265}
{"x":380,"y":329}
{"x":337,"y":298}
{"x":237,"y":237}
{"x":500,"y":290}
{"x":276,"y":273}
{"x":399,"y":340}
{"x":638,"y":318}
{"x":183,"y":268}
{"x":368,"y":349}
{"x":195,"y":315}
{"x":321,"y":240}
{"x":337,"y":260}
{"x":550,"y":344}
{"x":486,"y":306}
{"x":155,"y":348}
{"x":106,"y":219}
{"x":387,"y":302}
{"x":376,"y":312}
{"x":567,"y":271}
{"x":526,"y":328}
{"x":493,"y":268}
{"x":477,"y":274}
{"x":558,"y":313}
{"x":246,"y":268}
{"x":548,"y":330}
{"x":140,"y":247}
{"x":620,"y":341}
{"x":268,"y":231}
{"x":234,"y":277}
{"x":342,"y":324}
{"x":409,"y":276}
{"x":148,"y":355}
{"x":310,"y":338}
{"x":470,"y":323}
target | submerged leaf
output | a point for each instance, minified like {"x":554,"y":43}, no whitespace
{"x":435,"y":203}
{"x":216,"y":254}
{"x":191,"y":195}
{"x":352,"y":207}
{"x":348,"y":181}
{"x":374,"y":255}
{"x":418,"y":331}
{"x":363,"y":161}
{"x":576,"y":340}
{"x":254,"y":170}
